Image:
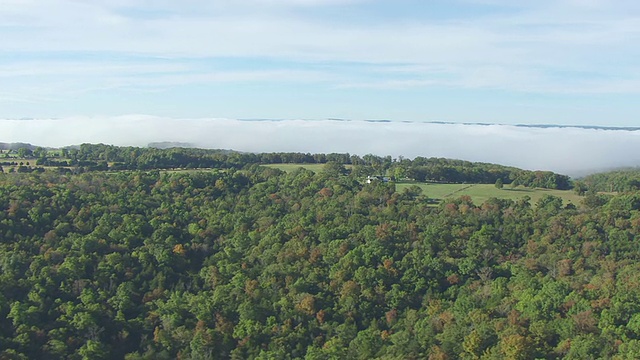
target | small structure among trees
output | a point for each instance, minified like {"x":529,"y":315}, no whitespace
{"x":374,"y":178}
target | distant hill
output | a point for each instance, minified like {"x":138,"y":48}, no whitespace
{"x":589,"y":127}
{"x":543,"y":126}
{"x":16,"y":146}
{"x":170,"y":144}
{"x":539,"y":126}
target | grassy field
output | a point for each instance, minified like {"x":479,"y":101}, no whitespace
{"x":290,"y":167}
{"x":29,"y":162}
{"x":481,"y":192}
{"x":438,"y":192}
{"x":190,"y":171}
{"x":478,"y":192}
{"x":18,"y":161}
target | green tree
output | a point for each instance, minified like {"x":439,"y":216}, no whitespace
{"x":334,"y":169}
{"x":24,"y":152}
{"x":580,"y":188}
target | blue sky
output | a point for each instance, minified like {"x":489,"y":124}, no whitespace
{"x":559,"y":62}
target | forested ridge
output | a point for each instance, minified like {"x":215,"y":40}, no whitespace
{"x":613,"y":181}
{"x":258,"y":263}
{"x":101,"y":157}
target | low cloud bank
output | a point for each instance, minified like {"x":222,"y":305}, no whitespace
{"x":573,"y":151}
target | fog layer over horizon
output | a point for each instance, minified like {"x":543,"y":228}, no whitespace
{"x":572,"y":151}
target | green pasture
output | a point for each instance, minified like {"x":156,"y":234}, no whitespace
{"x":18,"y":161}
{"x":478,"y":192}
{"x":30,"y":162}
{"x":481,"y":192}
{"x":291,"y":167}
{"x":14,"y":153}
{"x":190,"y":171}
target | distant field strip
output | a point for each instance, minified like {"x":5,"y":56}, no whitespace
{"x":459,"y":190}
{"x":291,"y":167}
{"x":478,"y":192}
{"x":481,"y":192}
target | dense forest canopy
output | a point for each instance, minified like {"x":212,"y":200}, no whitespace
{"x":613,"y":181}
{"x":254,"y":262}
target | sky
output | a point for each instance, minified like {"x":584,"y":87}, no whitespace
{"x":496,"y":61}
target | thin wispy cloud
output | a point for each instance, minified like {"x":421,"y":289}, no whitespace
{"x":479,"y":51}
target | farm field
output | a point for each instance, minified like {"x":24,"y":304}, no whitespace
{"x":291,"y":167}
{"x":478,"y":192}
{"x":438,"y":192}
{"x":190,"y":171}
{"x":481,"y":192}
{"x":17,"y":160}
{"x":29,"y":162}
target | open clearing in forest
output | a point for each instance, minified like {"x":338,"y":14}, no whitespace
{"x":478,"y":192}
{"x":291,"y":167}
{"x":481,"y":192}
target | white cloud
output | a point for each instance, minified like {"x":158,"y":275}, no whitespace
{"x":304,"y":2}
{"x":549,"y":47}
{"x":24,"y":69}
{"x":567,"y":150}
{"x":521,"y":39}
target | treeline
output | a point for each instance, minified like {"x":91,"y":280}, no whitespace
{"x":135,"y":158}
{"x":459,"y":171}
{"x":261,"y":264}
{"x":612,"y":181}
{"x":541,"y":179}
{"x":16,"y":146}
{"x":103,"y":157}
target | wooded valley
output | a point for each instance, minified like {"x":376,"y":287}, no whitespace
{"x":243,"y":261}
